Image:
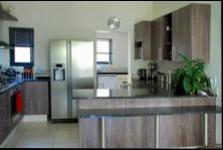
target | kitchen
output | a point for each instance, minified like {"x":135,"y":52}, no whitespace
{"x":79,"y":20}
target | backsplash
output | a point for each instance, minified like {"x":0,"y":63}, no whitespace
{"x":1,"y":28}
{"x":165,"y":66}
{"x":4,"y":57}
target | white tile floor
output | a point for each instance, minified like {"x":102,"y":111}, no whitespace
{"x":45,"y":135}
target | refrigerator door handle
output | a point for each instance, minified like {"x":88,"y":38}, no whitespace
{"x":69,"y":80}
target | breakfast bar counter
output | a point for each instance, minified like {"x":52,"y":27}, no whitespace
{"x":150,"y":117}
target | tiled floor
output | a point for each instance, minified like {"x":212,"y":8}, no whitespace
{"x":45,"y":135}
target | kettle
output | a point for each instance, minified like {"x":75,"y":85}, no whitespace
{"x":142,"y":74}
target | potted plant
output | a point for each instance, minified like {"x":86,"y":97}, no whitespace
{"x":190,"y":79}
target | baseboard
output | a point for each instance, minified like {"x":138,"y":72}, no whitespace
{"x":74,"y":120}
{"x":34,"y":118}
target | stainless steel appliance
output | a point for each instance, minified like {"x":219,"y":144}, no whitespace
{"x":72,"y":66}
{"x":142,"y":74}
{"x":153,"y":71}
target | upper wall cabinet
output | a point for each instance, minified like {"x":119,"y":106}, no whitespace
{"x":191,"y":32}
{"x":161,"y":38}
{"x":143,"y":40}
{"x":186,"y":30}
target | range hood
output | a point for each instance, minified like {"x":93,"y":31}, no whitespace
{"x":4,"y":15}
{"x":4,"y":45}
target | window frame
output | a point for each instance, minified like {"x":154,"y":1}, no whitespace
{"x":109,"y":53}
{"x":12,"y":49}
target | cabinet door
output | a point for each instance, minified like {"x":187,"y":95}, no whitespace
{"x":5,"y":115}
{"x":191,"y":32}
{"x":107,"y":81}
{"x":181,"y":32}
{"x":36,"y":98}
{"x":158,"y":31}
{"x":201,"y":31}
{"x":143,"y":38}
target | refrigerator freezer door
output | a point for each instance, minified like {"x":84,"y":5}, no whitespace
{"x":82,"y":68}
{"x":59,"y":100}
{"x":82,"y":64}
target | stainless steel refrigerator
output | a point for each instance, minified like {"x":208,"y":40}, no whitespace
{"x":72,"y":66}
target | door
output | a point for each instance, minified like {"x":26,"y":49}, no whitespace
{"x":181,"y":33}
{"x":59,"y":98}
{"x":82,"y":64}
{"x":82,"y":68}
{"x":158,"y":39}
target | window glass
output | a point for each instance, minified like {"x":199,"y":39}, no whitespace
{"x":21,"y":42}
{"x":102,"y":57}
{"x":22,"y":55}
{"x":104,"y":52}
{"x":103,"y":46}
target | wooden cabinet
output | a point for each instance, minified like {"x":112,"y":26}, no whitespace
{"x":130,"y":132}
{"x":143,"y":40}
{"x":162,"y":38}
{"x":36,"y":99}
{"x":191,"y":32}
{"x":186,"y":30}
{"x":175,"y":130}
{"x":7,"y":120}
{"x":5,"y":115}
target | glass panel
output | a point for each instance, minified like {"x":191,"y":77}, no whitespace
{"x":102,"y":57}
{"x":22,"y":55}
{"x":103,"y":46}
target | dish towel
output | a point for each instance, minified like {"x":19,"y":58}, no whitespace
{"x":18,"y":102}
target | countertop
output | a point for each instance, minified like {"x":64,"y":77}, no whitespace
{"x":113,"y":72}
{"x":148,"y":90}
{"x":98,"y":113}
{"x":18,"y":82}
{"x":110,"y":70}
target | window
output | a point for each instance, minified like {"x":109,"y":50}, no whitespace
{"x":22,"y":43}
{"x":104,"y":52}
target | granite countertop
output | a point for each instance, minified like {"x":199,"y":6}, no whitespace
{"x":18,"y":82}
{"x":148,"y":90}
{"x":98,"y":113}
{"x":112,"y":72}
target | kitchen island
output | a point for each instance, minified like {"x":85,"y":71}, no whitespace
{"x":150,"y":117}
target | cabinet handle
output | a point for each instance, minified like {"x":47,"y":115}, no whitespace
{"x":173,"y":53}
{"x":160,"y":53}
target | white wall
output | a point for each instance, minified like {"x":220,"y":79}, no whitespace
{"x":214,"y":68}
{"x":1,"y":51}
{"x":74,"y":20}
{"x":119,"y":48}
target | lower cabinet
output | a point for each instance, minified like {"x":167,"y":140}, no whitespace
{"x":5,"y":115}
{"x":35,"y":100}
{"x":36,"y":97}
{"x":174,"y":131}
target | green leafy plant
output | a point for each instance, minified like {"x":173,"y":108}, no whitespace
{"x":191,"y":78}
